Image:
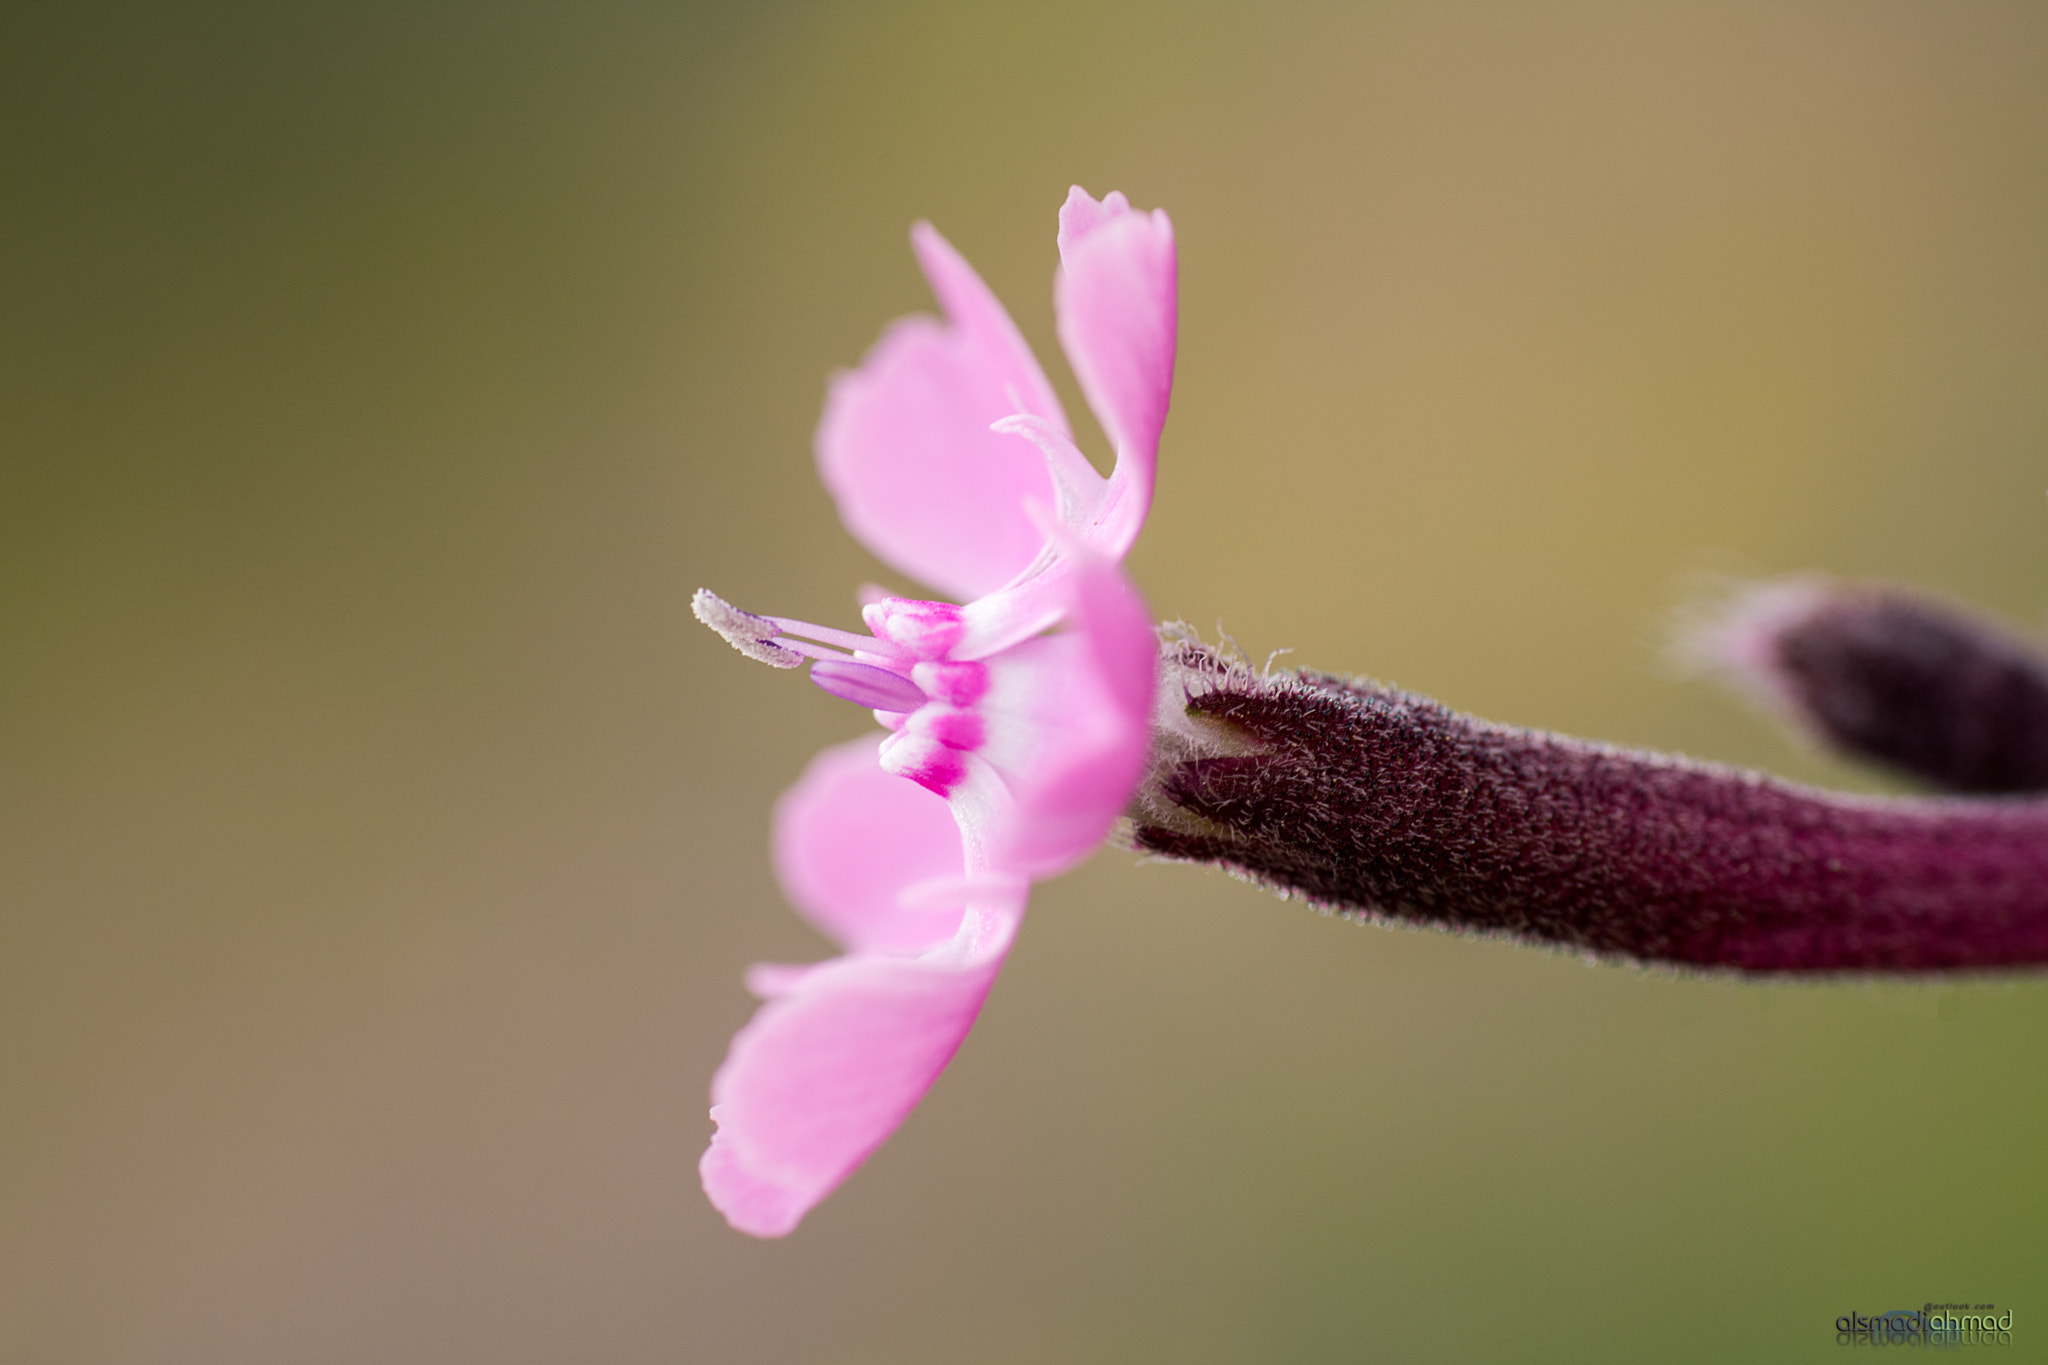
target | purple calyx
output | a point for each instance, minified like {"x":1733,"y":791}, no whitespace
{"x":1375,"y":802}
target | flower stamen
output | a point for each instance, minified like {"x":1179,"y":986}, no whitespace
{"x":783,"y":642}
{"x":869,"y":675}
{"x":753,"y":636}
{"x":878,"y":689}
{"x":845,"y":639}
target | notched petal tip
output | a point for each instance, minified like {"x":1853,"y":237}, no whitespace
{"x":753,"y":636}
{"x":1082,"y":213}
{"x":1116,"y":305}
{"x":751,"y":1204}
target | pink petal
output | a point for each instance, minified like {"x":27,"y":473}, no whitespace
{"x":1040,"y":598}
{"x":1117,"y":301}
{"x":1021,"y":610}
{"x":1043,"y":597}
{"x":1083,"y":213}
{"x":905,"y":449}
{"x":974,"y":309}
{"x":823,"y":1075}
{"x":851,"y":841}
{"x":1067,"y":719}
{"x":1123,"y":645}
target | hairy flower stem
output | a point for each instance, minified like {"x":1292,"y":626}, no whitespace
{"x":1370,"y":801}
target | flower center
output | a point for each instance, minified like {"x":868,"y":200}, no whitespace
{"x":931,"y":703}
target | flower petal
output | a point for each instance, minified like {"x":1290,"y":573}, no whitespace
{"x":1067,"y":721}
{"x":905,"y":449}
{"x":980,"y":317}
{"x":852,"y":840}
{"x":822,"y":1075}
{"x":999,"y":620}
{"x":1117,"y":301}
{"x":1123,"y":646}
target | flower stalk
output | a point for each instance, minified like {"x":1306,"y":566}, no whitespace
{"x":1380,"y":804}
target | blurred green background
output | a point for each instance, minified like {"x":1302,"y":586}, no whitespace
{"x":381,"y":843}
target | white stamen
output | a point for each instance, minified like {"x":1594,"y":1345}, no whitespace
{"x":753,"y":636}
{"x":845,"y":639}
{"x":809,"y":650}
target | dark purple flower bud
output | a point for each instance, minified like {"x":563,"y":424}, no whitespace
{"x":1374,"y":802}
{"x":1916,"y":685}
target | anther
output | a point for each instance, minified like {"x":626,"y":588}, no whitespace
{"x":753,"y":636}
{"x":865,"y":685}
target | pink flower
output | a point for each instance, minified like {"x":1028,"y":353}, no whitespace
{"x":1020,"y":717}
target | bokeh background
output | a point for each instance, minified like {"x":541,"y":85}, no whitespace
{"x":381,"y":843}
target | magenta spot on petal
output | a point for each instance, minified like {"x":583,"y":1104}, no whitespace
{"x":866,"y":685}
{"x":955,"y":729}
{"x":924,"y":761}
{"x":939,"y":772}
{"x":957,"y":684}
{"x":913,"y":754}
